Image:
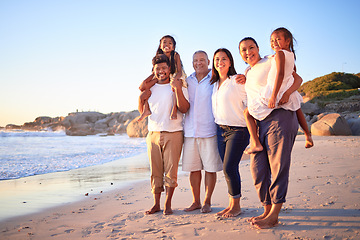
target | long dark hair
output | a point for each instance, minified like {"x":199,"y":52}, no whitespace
{"x":172,"y":54}
{"x":215,"y":74}
{"x":287,"y":35}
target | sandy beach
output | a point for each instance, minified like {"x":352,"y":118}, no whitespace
{"x":323,"y":202}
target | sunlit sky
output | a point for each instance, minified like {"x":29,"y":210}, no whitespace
{"x":59,"y":56}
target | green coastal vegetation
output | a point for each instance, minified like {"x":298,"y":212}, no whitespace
{"x":335,"y":86}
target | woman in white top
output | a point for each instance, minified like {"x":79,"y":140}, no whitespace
{"x":229,"y":103}
{"x":270,"y":166}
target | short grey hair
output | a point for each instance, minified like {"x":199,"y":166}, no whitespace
{"x":201,"y":51}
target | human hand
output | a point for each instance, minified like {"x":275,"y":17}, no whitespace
{"x":176,"y":83}
{"x":271,"y":103}
{"x":285,"y":98}
{"x":240,"y":78}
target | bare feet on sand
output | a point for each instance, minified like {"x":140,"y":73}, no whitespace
{"x":308,"y":141}
{"x":254,"y":149}
{"x":153,"y":210}
{"x":144,"y":115}
{"x":262,"y":216}
{"x":232,"y":213}
{"x":193,"y":207}
{"x":168,"y":211}
{"x":222,"y":212}
{"x":206,"y":208}
{"x":265,"y":223}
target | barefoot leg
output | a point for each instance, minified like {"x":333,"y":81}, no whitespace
{"x":156,"y":207}
{"x":169,"y":194}
{"x":195,"y":182}
{"x":234,"y":210}
{"x":146,"y":111}
{"x":267,"y":209}
{"x":255,"y":145}
{"x":271,"y":220}
{"x":225,"y":210}
{"x":210,"y":181}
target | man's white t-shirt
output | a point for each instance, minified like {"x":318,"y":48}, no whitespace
{"x":161,"y":103}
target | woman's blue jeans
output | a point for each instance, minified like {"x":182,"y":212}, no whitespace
{"x":232,"y":142}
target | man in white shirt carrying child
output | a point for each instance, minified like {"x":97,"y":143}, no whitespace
{"x":165,"y":137}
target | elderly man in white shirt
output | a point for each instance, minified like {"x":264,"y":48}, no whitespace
{"x":200,"y":151}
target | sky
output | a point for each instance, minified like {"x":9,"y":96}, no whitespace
{"x":60,"y":56}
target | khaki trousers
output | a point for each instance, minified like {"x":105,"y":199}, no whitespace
{"x":164,"y":151}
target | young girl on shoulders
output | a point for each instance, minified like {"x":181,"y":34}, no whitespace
{"x":167,"y":46}
{"x":276,"y":94}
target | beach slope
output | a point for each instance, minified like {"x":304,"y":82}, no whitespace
{"x":323,"y":203}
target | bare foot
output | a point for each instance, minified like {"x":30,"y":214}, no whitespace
{"x":206,"y":208}
{"x":223,"y":211}
{"x":308,"y":141}
{"x":253,"y":219}
{"x":193,"y":207}
{"x":266,"y":223}
{"x":232,"y":213}
{"x":153,"y":210}
{"x":144,"y":115}
{"x":254,"y":149}
{"x":168,"y":211}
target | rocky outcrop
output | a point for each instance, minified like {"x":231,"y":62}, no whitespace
{"x":90,"y":123}
{"x":348,"y":110}
{"x":81,"y":123}
{"x":331,"y":124}
{"x":39,"y":124}
{"x":136,"y":128}
{"x":311,"y":109}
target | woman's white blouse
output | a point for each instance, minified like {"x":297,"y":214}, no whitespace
{"x":229,"y":103}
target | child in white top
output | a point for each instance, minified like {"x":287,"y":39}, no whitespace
{"x":275,"y":94}
{"x":167,"y":46}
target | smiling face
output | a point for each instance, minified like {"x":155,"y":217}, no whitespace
{"x":249,"y":52}
{"x":278,"y":42}
{"x":167,"y":45}
{"x":222,"y":63}
{"x":201,"y":63}
{"x":162,"y":72}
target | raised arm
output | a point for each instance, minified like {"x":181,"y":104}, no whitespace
{"x":181,"y":102}
{"x":147,"y":83}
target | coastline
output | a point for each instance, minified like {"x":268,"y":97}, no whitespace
{"x":35,"y":193}
{"x":323,"y":203}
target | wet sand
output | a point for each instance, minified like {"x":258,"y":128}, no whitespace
{"x":322,"y":203}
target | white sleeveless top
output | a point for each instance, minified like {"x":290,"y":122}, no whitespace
{"x":259,"y":108}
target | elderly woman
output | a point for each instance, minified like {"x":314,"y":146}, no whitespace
{"x":277,"y":132}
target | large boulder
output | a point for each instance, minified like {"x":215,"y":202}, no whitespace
{"x":12,"y":127}
{"x":82,"y":129}
{"x":354,"y":124}
{"x":310,"y":108}
{"x":137,"y":128}
{"x":82,"y":118}
{"x":43,"y":120}
{"x":331,"y":124}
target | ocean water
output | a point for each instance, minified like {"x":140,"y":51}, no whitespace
{"x":40,"y":170}
{"x":25,"y":154}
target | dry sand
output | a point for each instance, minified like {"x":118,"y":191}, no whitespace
{"x":323,"y":203}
